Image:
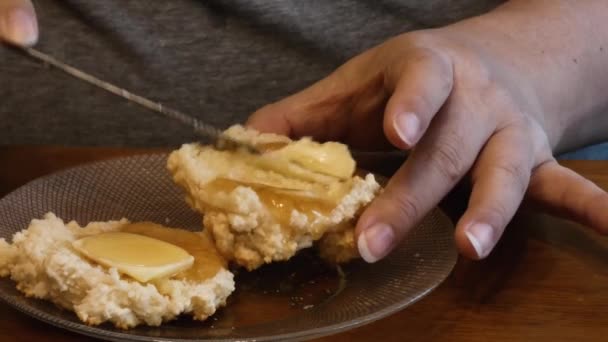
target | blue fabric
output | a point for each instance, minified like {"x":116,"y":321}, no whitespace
{"x":593,"y":152}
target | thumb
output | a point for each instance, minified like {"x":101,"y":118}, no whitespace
{"x":567,"y":194}
{"x":324,"y":109}
{"x":18,"y":23}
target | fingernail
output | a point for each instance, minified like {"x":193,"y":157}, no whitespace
{"x":375,"y":242}
{"x":19,"y":27}
{"x":407,"y":126}
{"x":481,"y":237}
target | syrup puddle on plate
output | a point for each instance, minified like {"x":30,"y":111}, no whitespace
{"x":274,"y":292}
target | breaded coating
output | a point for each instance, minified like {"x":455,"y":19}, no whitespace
{"x":261,"y":211}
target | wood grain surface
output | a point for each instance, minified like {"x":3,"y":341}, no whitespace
{"x":547,"y":279}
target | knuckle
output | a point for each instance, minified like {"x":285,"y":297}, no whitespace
{"x":441,"y":64}
{"x":446,"y":80}
{"x":516,"y":173}
{"x":421,"y":48}
{"x":498,"y":214}
{"x":425,"y":102}
{"x":446,"y":157}
{"x":406,"y":206}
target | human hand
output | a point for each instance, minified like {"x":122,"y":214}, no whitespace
{"x":463,"y":110}
{"x":18,"y":23}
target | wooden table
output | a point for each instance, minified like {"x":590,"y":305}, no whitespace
{"x":547,"y":279}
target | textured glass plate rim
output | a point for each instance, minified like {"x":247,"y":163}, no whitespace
{"x":98,"y":333}
{"x":297,"y":336}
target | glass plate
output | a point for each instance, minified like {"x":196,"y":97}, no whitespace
{"x":297,"y":300}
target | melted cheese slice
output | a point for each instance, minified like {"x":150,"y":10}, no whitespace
{"x":140,"y":257}
{"x":331,"y":158}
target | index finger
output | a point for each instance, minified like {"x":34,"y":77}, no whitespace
{"x":18,"y":23}
{"x":442,"y":157}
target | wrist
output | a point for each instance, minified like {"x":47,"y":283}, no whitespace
{"x":552,"y":60}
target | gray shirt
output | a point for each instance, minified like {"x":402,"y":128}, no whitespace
{"x":215,"y":59}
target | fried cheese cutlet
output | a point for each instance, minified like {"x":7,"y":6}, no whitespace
{"x":45,"y":264}
{"x":264,"y":208}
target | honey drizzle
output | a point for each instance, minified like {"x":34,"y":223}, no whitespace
{"x":280,"y":205}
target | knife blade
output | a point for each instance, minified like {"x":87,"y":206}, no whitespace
{"x":220,"y":140}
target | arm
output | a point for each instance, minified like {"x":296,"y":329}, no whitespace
{"x":491,"y":97}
